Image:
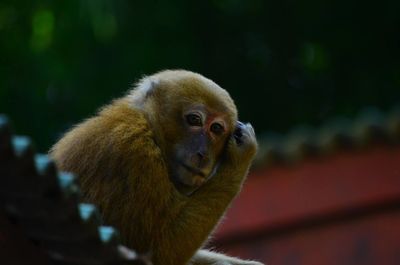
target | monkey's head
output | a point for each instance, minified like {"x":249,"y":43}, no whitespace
{"x":192,"y":119}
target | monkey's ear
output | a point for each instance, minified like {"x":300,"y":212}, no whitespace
{"x":143,"y":90}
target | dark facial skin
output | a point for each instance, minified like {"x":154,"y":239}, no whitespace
{"x":196,"y":157}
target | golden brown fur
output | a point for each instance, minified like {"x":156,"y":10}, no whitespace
{"x":123,"y":158}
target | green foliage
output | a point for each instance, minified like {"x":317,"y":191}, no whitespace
{"x":42,"y":30}
{"x":284,"y":62}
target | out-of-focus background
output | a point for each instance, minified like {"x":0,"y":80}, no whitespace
{"x":284,"y":62}
{"x":319,"y":80}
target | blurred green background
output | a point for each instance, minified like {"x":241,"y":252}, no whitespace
{"x":284,"y":62}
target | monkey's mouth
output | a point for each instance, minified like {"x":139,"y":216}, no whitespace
{"x":188,"y":179}
{"x":193,"y":170}
{"x":195,"y":178}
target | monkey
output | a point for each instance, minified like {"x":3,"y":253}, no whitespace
{"x":163,"y":163}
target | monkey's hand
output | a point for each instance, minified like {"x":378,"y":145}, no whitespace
{"x":240,"y":150}
{"x":245,"y":140}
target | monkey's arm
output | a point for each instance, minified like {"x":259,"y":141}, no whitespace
{"x":120,"y":169}
{"x":194,"y":221}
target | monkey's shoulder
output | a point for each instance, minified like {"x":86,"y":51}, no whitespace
{"x":122,"y":119}
{"x":125,"y":128}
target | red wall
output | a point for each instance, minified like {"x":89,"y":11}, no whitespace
{"x":339,"y":209}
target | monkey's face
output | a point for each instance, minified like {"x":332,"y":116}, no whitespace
{"x":195,"y":158}
{"x":192,"y":119}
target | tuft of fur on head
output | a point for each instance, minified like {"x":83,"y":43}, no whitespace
{"x":142,"y":90}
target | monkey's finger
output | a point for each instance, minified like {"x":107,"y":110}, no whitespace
{"x":240,"y":126}
{"x":251,"y":129}
{"x":238,"y":133}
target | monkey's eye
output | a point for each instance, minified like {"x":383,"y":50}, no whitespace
{"x":217,"y":128}
{"x":194,"y":119}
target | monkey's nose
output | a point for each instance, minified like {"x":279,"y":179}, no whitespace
{"x":200,"y":160}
